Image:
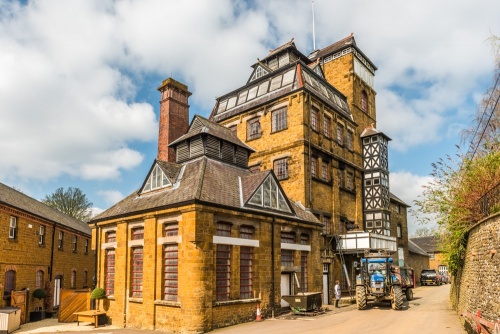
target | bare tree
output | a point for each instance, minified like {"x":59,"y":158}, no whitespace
{"x":72,"y":202}
{"x":484,"y":132}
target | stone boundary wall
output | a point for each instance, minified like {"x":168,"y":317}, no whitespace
{"x":477,"y":286}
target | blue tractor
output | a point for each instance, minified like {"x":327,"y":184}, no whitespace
{"x":377,"y":282}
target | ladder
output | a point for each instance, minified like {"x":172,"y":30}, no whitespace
{"x":338,"y":243}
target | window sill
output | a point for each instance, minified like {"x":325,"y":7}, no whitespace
{"x":167,"y":303}
{"x":254,"y":138}
{"x":135,"y":300}
{"x":315,"y":178}
{"x":280,"y":130}
{"x":352,"y":191}
{"x":236,"y":301}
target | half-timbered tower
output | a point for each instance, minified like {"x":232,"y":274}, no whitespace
{"x":376,"y":181}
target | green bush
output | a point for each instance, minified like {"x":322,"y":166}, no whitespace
{"x":39,"y":293}
{"x":98,"y":293}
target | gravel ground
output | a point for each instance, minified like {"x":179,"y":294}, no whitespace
{"x":52,"y":325}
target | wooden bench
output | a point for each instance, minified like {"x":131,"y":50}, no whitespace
{"x":90,"y":316}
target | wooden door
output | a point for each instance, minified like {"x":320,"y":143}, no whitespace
{"x":18,"y":299}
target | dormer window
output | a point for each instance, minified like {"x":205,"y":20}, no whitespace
{"x":269,"y":195}
{"x":259,"y":72}
{"x":157,"y":179}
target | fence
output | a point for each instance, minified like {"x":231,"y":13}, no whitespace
{"x":490,"y":202}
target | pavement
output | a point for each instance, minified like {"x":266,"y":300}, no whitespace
{"x":53,"y":326}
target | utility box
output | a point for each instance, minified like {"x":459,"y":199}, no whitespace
{"x":304,"y":302}
{"x":10,"y":319}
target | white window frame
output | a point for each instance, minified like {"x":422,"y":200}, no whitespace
{"x":41,"y":235}
{"x":13,"y":227}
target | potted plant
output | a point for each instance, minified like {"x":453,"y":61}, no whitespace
{"x":98,"y":294}
{"x":39,"y":313}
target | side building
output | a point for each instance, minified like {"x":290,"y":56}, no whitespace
{"x":41,"y":248}
{"x":204,"y":241}
{"x":430,"y":245}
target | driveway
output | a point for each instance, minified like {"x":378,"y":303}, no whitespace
{"x":429,"y":312}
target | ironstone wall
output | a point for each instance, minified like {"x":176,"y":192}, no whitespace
{"x":477,"y":286}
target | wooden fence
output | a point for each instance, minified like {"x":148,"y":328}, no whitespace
{"x":73,"y":301}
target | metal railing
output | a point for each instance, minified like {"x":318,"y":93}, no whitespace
{"x":490,"y":202}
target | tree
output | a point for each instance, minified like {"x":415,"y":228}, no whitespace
{"x":424,"y":232}
{"x":72,"y":202}
{"x":461,"y":181}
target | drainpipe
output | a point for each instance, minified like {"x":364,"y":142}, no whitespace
{"x":51,"y":266}
{"x":273,"y":295}
{"x":309,"y":144}
{"x":96,"y":250}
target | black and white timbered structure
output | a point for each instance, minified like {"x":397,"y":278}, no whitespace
{"x":376,"y":181}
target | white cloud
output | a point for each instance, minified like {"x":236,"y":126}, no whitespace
{"x":71,"y":71}
{"x":408,"y":187}
{"x":111,"y":196}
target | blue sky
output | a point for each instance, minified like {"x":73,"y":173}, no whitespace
{"x":78,"y":79}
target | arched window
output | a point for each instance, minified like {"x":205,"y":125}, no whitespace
{"x":364,"y":101}
{"x":10,"y":282}
{"x":39,"y":279}
{"x":85,"y":277}
{"x":73,"y":279}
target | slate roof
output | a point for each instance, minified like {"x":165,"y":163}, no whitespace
{"x":288,"y":45}
{"x":20,"y":201}
{"x":397,"y":199}
{"x":370,"y":130}
{"x":200,"y":124}
{"x":428,"y":244}
{"x":202,"y":180}
{"x":414,"y":248}
{"x":338,"y":46}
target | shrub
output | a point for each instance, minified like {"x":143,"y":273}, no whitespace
{"x":39,"y":293}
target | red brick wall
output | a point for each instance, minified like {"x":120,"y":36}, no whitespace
{"x":174,"y":116}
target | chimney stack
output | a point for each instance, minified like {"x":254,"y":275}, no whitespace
{"x":174,"y":116}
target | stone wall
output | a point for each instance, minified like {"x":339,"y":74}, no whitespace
{"x":477,"y":287}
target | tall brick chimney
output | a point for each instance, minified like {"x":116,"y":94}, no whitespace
{"x":174,"y":116}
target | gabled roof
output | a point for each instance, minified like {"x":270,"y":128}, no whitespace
{"x":290,"y":46}
{"x":428,"y":244}
{"x":397,"y":199}
{"x":22,"y":202}
{"x":371,"y":131}
{"x":344,"y":43}
{"x":200,"y":125}
{"x":414,"y":248}
{"x":262,"y":187}
{"x":206,"y":181}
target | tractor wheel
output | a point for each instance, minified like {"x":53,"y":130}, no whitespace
{"x":397,"y":298}
{"x":409,"y":294}
{"x":361,"y":297}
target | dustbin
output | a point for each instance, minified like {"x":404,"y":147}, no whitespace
{"x":10,"y":319}
{"x":304,"y":302}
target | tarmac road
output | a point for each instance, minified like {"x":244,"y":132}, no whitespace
{"x":429,"y":312}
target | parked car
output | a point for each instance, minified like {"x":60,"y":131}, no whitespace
{"x":430,"y":276}
{"x":445,"y":278}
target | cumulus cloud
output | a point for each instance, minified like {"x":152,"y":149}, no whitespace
{"x":408,"y":187}
{"x":111,"y":196}
{"x":72,"y":72}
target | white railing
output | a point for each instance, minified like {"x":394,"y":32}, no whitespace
{"x":356,"y":242}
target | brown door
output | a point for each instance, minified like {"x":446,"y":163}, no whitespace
{"x":18,"y":299}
